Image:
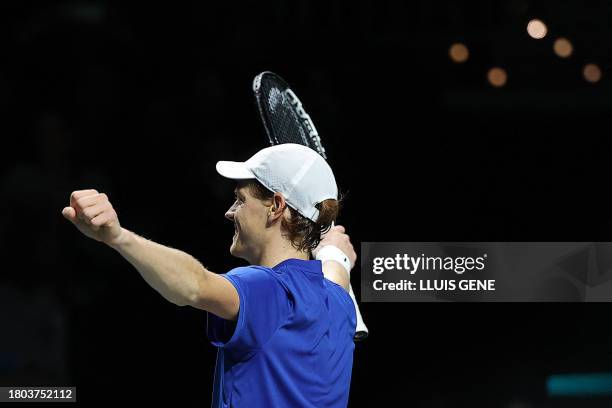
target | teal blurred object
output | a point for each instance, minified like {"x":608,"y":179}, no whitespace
{"x":574,"y":385}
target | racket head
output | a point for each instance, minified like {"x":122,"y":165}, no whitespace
{"x":282,"y":113}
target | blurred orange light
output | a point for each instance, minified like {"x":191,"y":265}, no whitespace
{"x":563,"y":47}
{"x":592,"y":73}
{"x":458,"y":53}
{"x":536,"y":29}
{"x":497,"y":77}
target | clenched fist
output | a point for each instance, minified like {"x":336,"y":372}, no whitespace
{"x":94,"y":216}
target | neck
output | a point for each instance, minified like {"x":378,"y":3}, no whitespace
{"x":278,"y":252}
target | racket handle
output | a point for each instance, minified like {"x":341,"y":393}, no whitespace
{"x":361,"y":331}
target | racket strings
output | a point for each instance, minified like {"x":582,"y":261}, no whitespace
{"x":283,"y":121}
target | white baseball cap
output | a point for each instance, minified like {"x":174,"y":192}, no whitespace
{"x":299,"y":173}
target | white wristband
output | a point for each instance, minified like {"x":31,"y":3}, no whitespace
{"x":333,"y":253}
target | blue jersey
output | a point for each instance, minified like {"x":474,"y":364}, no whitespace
{"x":292,"y":345}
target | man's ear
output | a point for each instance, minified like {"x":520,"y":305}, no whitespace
{"x":278,"y":206}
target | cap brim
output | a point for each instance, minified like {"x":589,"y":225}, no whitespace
{"x":234,"y":170}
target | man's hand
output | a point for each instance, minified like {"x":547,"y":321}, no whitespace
{"x":334,"y":270}
{"x":94,"y":216}
{"x":337,"y":237}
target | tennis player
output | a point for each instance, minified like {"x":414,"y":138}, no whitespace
{"x":283,"y":326}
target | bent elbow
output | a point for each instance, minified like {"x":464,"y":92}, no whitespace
{"x":197,"y":295}
{"x":178,"y":300}
{"x":193,"y":300}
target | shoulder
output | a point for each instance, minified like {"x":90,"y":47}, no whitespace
{"x":342,"y":296}
{"x":253,"y":276}
{"x":252,"y":272}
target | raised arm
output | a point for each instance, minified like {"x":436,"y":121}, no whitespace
{"x":176,"y":275}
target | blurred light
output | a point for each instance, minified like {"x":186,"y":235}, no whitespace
{"x":579,"y":384}
{"x":536,"y":29}
{"x":497,"y":77}
{"x":591,"y":73}
{"x":458,"y":53}
{"x":563,"y":47}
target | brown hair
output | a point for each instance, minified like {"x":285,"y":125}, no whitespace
{"x":303,"y":233}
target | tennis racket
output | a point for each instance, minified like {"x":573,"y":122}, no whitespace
{"x":286,"y":121}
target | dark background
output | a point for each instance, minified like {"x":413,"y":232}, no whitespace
{"x":141,"y":100}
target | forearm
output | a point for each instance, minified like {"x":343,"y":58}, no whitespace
{"x":176,"y":275}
